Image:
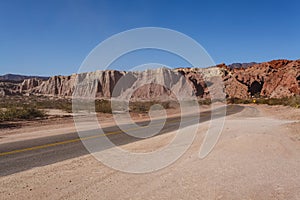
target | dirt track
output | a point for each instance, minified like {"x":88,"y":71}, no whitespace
{"x":257,"y":157}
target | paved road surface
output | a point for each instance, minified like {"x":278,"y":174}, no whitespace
{"x":24,"y":155}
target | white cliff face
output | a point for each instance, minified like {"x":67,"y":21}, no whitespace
{"x":96,"y":84}
{"x":157,"y":84}
{"x":100,"y":83}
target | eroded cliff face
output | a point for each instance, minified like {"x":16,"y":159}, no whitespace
{"x":157,"y":84}
{"x":275,"y":79}
{"x":101,"y":82}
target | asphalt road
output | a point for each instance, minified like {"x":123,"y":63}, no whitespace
{"x":19,"y":156}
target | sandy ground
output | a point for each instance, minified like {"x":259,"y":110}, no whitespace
{"x":257,"y":157}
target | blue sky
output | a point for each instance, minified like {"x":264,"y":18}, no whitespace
{"x":53,"y":37}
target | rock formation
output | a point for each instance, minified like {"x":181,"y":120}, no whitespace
{"x":274,"y":79}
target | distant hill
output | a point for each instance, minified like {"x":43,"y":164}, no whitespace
{"x":19,"y":78}
{"x":241,"y":65}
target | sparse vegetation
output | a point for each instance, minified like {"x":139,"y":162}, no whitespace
{"x":30,"y":107}
{"x":11,"y":103}
{"x":238,"y":101}
{"x":36,"y":102}
{"x":293,"y":101}
{"x":204,"y":101}
{"x":142,"y":107}
{"x":17,"y":113}
{"x":103,"y":106}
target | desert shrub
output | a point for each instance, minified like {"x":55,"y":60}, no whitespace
{"x":293,"y":101}
{"x":143,"y":107}
{"x":204,"y":101}
{"x":17,"y":113}
{"x":103,"y":106}
{"x":38,"y":102}
{"x":239,"y":101}
{"x":62,"y":104}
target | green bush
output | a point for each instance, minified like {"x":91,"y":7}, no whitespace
{"x":103,"y":106}
{"x":16,"y":113}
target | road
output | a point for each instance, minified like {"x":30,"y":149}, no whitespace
{"x":23,"y":155}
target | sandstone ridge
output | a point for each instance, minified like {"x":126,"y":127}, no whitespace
{"x":274,"y":79}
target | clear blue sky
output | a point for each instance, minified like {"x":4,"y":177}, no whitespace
{"x":53,"y":37}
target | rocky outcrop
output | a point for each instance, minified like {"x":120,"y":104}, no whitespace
{"x":27,"y":84}
{"x":275,"y":79}
{"x":9,"y":88}
{"x":63,"y":86}
{"x":158,"y":84}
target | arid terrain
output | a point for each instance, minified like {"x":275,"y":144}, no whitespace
{"x":273,"y":79}
{"x":149,"y":99}
{"x":257,"y":157}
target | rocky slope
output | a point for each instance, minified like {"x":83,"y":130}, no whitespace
{"x":275,"y":79}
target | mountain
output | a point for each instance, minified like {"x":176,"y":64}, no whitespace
{"x":241,"y":65}
{"x":19,"y":78}
{"x":273,"y":79}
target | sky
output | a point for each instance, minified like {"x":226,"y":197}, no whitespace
{"x":53,"y":37}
